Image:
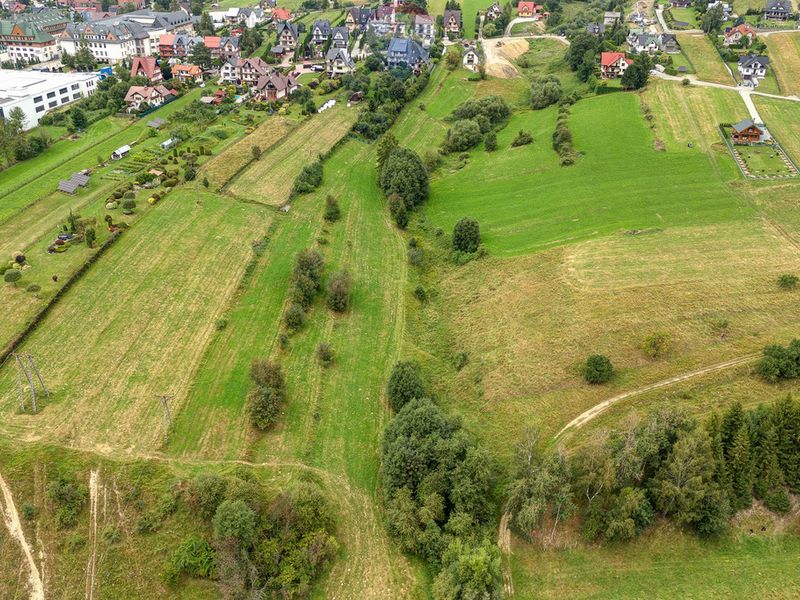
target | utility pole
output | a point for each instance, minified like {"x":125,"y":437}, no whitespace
{"x":27,"y":366}
{"x":32,"y":365}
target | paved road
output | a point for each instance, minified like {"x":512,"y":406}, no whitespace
{"x":516,"y":20}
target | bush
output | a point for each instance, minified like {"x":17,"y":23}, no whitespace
{"x":235,"y":521}
{"x":778,"y":501}
{"x":295,"y":316}
{"x":779,"y":363}
{"x":12,"y":276}
{"x":189,"y":174}
{"x":339,"y":291}
{"x":325,"y":354}
{"x":656,"y":345}
{"x":420,"y":294}
{"x":268,"y":394}
{"x":332,"y":212}
{"x":494,"y":107}
{"x":463,"y":135}
{"x":404,"y":174}
{"x":309,"y":179}
{"x":788,"y":281}
{"x":523,"y":138}
{"x":545,"y":91}
{"x":397,"y":208}
{"x":194,"y":557}
{"x":598,"y":369}
{"x":490,"y":141}
{"x":34,"y":288}
{"x":69,"y":497}
{"x":307,"y":277}
{"x":129,"y":204}
{"x":466,"y":235}
{"x":205,"y":493}
{"x":405,"y":384}
{"x":129,"y":195}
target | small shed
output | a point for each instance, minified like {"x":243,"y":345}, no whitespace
{"x":121,"y":152}
{"x":167,"y":144}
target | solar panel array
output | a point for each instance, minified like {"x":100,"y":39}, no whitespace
{"x":70,"y":185}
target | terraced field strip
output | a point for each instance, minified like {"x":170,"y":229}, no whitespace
{"x":223,"y":167}
{"x":46,"y":185}
{"x":138,"y":326}
{"x":270,"y":179}
{"x":705,"y":58}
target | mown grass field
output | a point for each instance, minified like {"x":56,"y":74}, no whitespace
{"x":223,"y":167}
{"x":270,"y":179}
{"x":783,"y":121}
{"x":115,"y":341}
{"x":704,"y":57}
{"x":686,"y":15}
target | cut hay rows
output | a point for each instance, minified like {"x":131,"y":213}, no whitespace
{"x":270,"y":179}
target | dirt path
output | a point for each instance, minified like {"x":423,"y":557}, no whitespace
{"x":501,"y":51}
{"x":14,"y":526}
{"x":599,"y":409}
{"x":91,"y":567}
{"x":504,"y":542}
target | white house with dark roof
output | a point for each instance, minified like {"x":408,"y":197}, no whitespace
{"x":338,"y":62}
{"x":340,"y":37}
{"x":405,"y":52}
{"x":752,"y":68}
{"x":320,"y":31}
{"x":778,"y":9}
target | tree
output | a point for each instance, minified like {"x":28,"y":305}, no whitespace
{"x":90,"y":236}
{"x":84,"y":59}
{"x":630,"y":514}
{"x":466,"y":235}
{"x":78,"y":119}
{"x":403,"y":173}
{"x":16,"y":120}
{"x":463,"y":135}
{"x":268,"y":393}
{"x":636,"y":75}
{"x":785,"y":418}
{"x":712,"y":20}
{"x":339,"y":291}
{"x":332,"y":212}
{"x":12,"y":276}
{"x":206,"y":25}
{"x":386,"y":145}
{"x":598,"y":369}
{"x":201,"y":56}
{"x":397,"y":208}
{"x":205,"y":181}
{"x":490,"y":141}
{"x":235,"y":521}
{"x":545,"y":91}
{"x":579,"y":46}
{"x":405,"y":384}
{"x":741,"y":469}
{"x":469,"y":571}
{"x":206,"y":491}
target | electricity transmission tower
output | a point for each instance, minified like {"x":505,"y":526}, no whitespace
{"x":26,"y":367}
{"x":165,"y":398}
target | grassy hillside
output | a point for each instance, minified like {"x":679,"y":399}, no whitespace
{"x":705,"y":59}
{"x":784,"y":52}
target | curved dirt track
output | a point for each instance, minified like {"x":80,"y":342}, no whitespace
{"x":14,"y":526}
{"x":599,"y":409}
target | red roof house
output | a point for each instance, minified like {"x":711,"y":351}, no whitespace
{"x":613,"y":64}
{"x":528,"y":9}
{"x":281,"y":14}
{"x":188,"y":73}
{"x":146,"y":66}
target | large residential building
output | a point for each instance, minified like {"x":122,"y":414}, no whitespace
{"x":613,"y":64}
{"x":121,"y":38}
{"x":778,"y":9}
{"x":25,"y":41}
{"x":405,"y":52}
{"x":243,"y":70}
{"x":181,"y":46}
{"x":38,"y":92}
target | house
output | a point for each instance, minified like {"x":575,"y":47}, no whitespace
{"x":243,"y":70}
{"x":281,"y":14}
{"x":668,"y":43}
{"x":26,"y":41}
{"x":643,"y":42}
{"x":471,"y":59}
{"x":320,"y":31}
{"x":383,"y":20}
{"x":121,"y":152}
{"x":528,"y":9}
{"x":338,"y":62}
{"x":188,"y":73}
{"x":681,"y":3}
{"x":405,"y":52}
{"x":727,"y":11}
{"x":778,"y":9}
{"x":138,"y":96}
{"x":425,"y":28}
{"x":735,"y":35}
{"x":267,"y":5}
{"x":597,"y":29}
{"x":746,"y":132}
{"x":340,"y":37}
{"x":357,"y":18}
{"x":147,"y":67}
{"x":752,"y":68}
{"x":274,"y":86}
{"x":288,"y":35}
{"x":452,"y":22}
{"x":613,"y":64}
{"x":493,"y":11}
{"x":611,"y":18}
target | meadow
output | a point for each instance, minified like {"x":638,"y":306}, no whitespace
{"x":705,"y":59}
{"x":783,"y":121}
{"x":686,"y":15}
{"x":784,"y":53}
{"x":269,"y":180}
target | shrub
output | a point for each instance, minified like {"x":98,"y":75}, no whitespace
{"x":28,"y":511}
{"x":778,"y":362}
{"x":598,"y":369}
{"x":235,"y":521}
{"x":493,"y":107}
{"x":325,"y":354}
{"x":189,"y":174}
{"x":490,"y":141}
{"x":205,"y":492}
{"x":309,"y":179}
{"x":295,"y":316}
{"x":656,"y":345}
{"x":466,"y":235}
{"x":34,"y":288}
{"x":129,"y":195}
{"x":69,"y":497}
{"x":397,"y":208}
{"x":12,"y":276}
{"x":545,"y":91}
{"x":404,"y":174}
{"x":463,"y":135}
{"x":129,"y":204}
{"x":332,"y":212}
{"x":268,"y":393}
{"x":778,"y":501}
{"x":89,"y":235}
{"x":523,"y":138}
{"x":194,"y":557}
{"x":405,"y":384}
{"x":339,"y":291}
{"x":307,"y":276}
{"x":420,"y":294}
{"x":788,"y":281}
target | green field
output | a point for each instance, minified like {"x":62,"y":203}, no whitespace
{"x":704,"y":57}
{"x":687,"y":15}
{"x":546,"y":57}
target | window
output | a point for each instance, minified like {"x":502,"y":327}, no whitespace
{"x":39,"y":108}
{"x":53,"y":104}
{"x":51,"y":94}
{"x":75,"y":96}
{"x":37,"y":99}
{"x":62,"y":91}
{"x":75,"y":86}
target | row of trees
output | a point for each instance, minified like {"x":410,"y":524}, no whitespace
{"x":402,"y":177}
{"x":15,"y":144}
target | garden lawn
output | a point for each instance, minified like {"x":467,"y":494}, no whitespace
{"x":704,"y":57}
{"x":762,"y":160}
{"x":526,"y":201}
{"x":686,"y":15}
{"x":37,"y":188}
{"x":784,"y":55}
{"x":137,"y":323}
{"x":270,"y":179}
{"x":782,"y":118}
